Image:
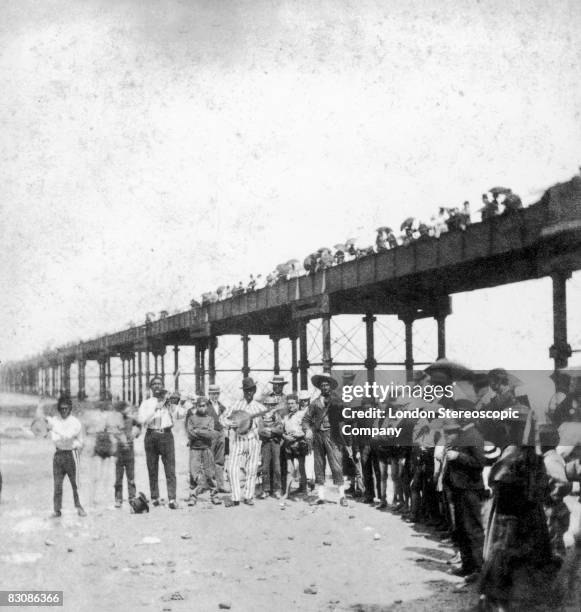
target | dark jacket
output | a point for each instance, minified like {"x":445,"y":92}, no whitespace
{"x":314,"y":418}
{"x":200,"y":429}
{"x":465,"y":472}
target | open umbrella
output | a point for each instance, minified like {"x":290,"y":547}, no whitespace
{"x":283,"y":269}
{"x":407,"y":223}
{"x":350,"y":241}
{"x":323,"y":249}
{"x":293,"y":263}
{"x":341,"y":248}
{"x":455,"y":370}
{"x":500,"y":191}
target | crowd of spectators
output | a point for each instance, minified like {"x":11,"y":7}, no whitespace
{"x":496,"y":201}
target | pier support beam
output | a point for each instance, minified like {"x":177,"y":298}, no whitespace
{"x":560,"y":351}
{"x":245,"y":362}
{"x":276,"y":354}
{"x":176,"y":368}
{"x":326,"y":332}
{"x":303,"y":356}
{"x":441,"y":322}
{"x":133,"y":398}
{"x":408,"y":320}
{"x":294,"y":363}
{"x":370,"y":361}
{"x":123,"y":389}
{"x":102,"y":361}
{"x":212,"y":346}
{"x":81,"y":364}
{"x":66,"y":376}
{"x":202,"y":368}
{"x":53,"y":389}
{"x":139,"y":377}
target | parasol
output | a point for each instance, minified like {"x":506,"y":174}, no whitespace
{"x":500,"y":191}
{"x":283,"y":268}
{"x":407,"y":223}
{"x":455,"y":370}
{"x":341,"y":248}
{"x":350,"y":241}
{"x":293,"y":263}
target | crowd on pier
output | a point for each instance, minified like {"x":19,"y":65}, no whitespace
{"x":446,"y":474}
{"x":496,"y":201}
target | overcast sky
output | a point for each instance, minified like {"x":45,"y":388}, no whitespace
{"x":151,"y":151}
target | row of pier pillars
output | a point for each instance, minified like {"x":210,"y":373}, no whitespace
{"x":140,"y":363}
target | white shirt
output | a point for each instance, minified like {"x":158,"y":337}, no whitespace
{"x":156,"y":413}
{"x":67,"y":434}
{"x":292,"y":423}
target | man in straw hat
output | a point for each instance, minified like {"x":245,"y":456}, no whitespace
{"x":216,"y":409}
{"x":322,"y":424}
{"x":244,"y":447}
{"x":277,"y":398}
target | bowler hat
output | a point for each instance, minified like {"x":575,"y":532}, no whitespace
{"x":317,"y":379}
{"x":139,"y":504}
{"x":248,"y":383}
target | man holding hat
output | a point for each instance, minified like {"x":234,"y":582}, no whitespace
{"x":156,"y":413}
{"x":322,"y":424}
{"x":216,"y":409}
{"x":244,"y":447}
{"x":66,"y":433}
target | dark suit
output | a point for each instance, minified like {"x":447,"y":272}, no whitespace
{"x":463,"y":476}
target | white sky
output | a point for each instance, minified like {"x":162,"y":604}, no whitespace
{"x":151,"y":151}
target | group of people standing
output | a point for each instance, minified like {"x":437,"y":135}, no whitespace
{"x":452,"y":475}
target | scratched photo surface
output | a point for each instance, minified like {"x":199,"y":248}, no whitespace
{"x":157,"y":156}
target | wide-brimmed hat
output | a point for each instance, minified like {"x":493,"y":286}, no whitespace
{"x":248,"y":383}
{"x":277,"y":380}
{"x":317,"y":379}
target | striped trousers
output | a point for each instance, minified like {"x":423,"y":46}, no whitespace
{"x":65,"y":463}
{"x":245,"y":454}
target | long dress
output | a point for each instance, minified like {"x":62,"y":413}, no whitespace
{"x":517,"y":541}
